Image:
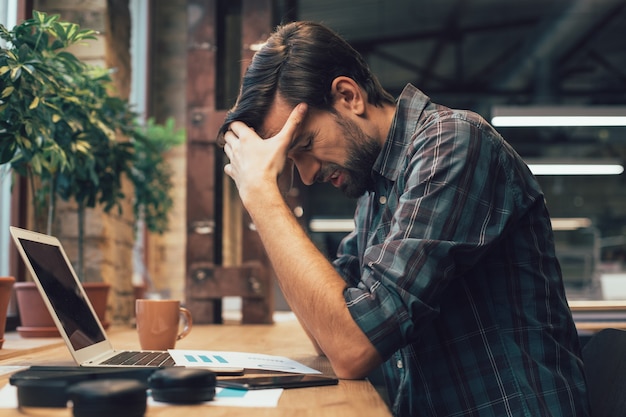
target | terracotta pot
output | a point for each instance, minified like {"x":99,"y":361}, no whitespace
{"x":35,"y":321}
{"x":98,"y":293}
{"x":6,"y":286}
{"x":35,"y":318}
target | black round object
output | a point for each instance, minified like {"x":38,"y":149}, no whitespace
{"x":182,"y":385}
{"x":108,"y":397}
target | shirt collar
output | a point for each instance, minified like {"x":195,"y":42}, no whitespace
{"x":410,"y":106}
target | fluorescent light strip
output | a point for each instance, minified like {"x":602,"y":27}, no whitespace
{"x":570,"y":223}
{"x":347,"y":225}
{"x":547,"y":121}
{"x":525,"y":116}
{"x":576,"y":169}
{"x":331,"y":225}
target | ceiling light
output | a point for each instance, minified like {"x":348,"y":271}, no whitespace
{"x":570,"y":223}
{"x":542,"y":116}
{"x":331,"y":225}
{"x":575,"y":167}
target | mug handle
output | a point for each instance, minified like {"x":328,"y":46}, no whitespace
{"x":188,"y":323}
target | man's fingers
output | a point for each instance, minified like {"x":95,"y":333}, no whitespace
{"x":294,"y":120}
{"x":228,"y":169}
{"x":233,"y":129}
{"x":237,"y":129}
{"x":229,"y":140}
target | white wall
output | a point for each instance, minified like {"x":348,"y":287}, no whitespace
{"x":8,"y":14}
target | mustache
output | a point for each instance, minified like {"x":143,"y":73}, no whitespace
{"x":325,"y":172}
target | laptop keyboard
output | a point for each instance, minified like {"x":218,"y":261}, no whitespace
{"x":132,"y":358}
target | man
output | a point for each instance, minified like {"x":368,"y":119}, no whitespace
{"x":448,"y":293}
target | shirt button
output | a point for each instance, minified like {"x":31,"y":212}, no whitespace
{"x":399,"y":364}
{"x":382,"y":199}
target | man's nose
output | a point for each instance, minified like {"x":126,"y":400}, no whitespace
{"x":307,"y":168}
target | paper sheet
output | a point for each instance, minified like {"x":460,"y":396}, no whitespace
{"x":10,"y":369}
{"x":225,"y":397}
{"x":8,"y":396}
{"x":215,"y":359}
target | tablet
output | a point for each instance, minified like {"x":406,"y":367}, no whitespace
{"x":277,"y":381}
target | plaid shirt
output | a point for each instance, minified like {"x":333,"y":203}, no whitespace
{"x":452,"y":275}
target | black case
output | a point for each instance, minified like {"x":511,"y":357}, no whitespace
{"x":108,"y":397}
{"x":47,"y":386}
{"x":182,"y":385}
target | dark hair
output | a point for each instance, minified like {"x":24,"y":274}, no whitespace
{"x":300,"y":60}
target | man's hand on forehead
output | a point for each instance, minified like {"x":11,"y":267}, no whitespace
{"x":254,"y":160}
{"x":295,"y":119}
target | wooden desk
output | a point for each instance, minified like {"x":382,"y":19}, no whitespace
{"x":595,"y":315}
{"x":285,"y":338}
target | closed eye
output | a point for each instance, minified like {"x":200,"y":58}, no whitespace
{"x":303,"y":142}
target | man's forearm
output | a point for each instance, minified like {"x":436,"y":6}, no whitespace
{"x":312,"y":287}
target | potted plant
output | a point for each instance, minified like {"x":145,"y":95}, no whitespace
{"x":61,"y":129}
{"x":6,"y":284}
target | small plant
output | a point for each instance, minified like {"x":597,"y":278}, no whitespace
{"x":151,"y":174}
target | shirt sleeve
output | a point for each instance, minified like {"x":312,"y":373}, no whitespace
{"x":460,"y":189}
{"x":348,"y":262}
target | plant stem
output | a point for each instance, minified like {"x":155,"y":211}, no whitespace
{"x":81,"y":238}
{"x":31,"y":180}
{"x":51,"y":204}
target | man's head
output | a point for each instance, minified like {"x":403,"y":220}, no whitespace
{"x":305,"y":62}
{"x":300,"y":61}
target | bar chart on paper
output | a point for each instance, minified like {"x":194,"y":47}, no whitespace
{"x":214,"y":359}
{"x":206,"y":359}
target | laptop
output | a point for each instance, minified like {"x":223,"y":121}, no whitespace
{"x":70,"y":308}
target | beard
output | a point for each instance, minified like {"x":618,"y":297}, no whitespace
{"x":363,"y":150}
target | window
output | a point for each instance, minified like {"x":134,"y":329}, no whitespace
{"x":8,"y":14}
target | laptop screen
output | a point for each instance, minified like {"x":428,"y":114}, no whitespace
{"x":61,"y":288}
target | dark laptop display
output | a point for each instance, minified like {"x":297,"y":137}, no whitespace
{"x":59,"y":284}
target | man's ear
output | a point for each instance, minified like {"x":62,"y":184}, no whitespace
{"x":348,"y":95}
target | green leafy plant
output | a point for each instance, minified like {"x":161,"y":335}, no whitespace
{"x":151,"y":174}
{"x":61,"y":128}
